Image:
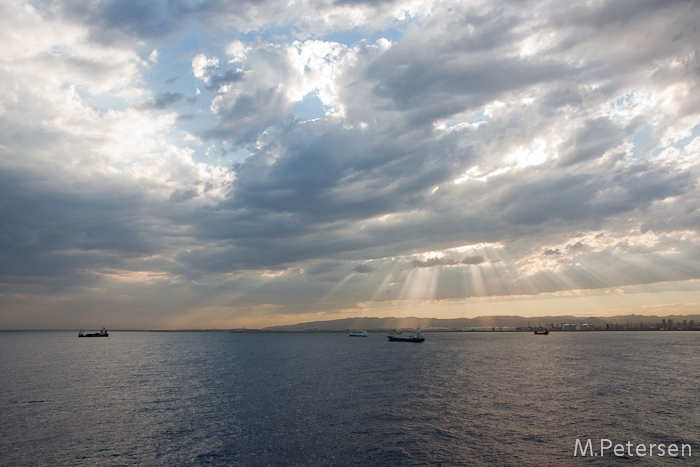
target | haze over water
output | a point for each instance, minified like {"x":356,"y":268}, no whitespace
{"x":139,"y":398}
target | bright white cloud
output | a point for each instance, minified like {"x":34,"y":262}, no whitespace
{"x":314,"y":63}
{"x":202,"y":66}
{"x":237,"y":51}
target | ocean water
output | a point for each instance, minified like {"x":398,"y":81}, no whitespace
{"x":178,"y":399}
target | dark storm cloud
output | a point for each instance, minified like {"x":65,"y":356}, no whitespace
{"x":442,"y":66}
{"x":241,"y":120}
{"x":52,"y":234}
{"x":364,"y":268}
{"x":614,"y":13}
{"x":162,"y":101}
{"x":310,"y":195}
{"x":116,"y":20}
{"x":592,"y":140}
{"x":412,"y":82}
{"x":230,"y":76}
{"x":590,"y":197}
{"x":326,"y":174}
{"x":473,"y":259}
{"x":295,"y":210}
{"x":250,"y":103}
{"x":184,"y":195}
{"x":435,"y":72}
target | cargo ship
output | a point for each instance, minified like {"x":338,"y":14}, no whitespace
{"x":417,"y":337}
{"x":102,"y":333}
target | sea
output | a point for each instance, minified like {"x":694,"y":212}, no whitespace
{"x":326,"y":399}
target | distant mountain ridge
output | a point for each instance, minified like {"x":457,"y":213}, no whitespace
{"x":481,"y":321}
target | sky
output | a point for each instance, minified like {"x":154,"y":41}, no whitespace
{"x":208,"y":164}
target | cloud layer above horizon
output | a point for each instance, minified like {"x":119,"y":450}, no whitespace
{"x":207,"y":164}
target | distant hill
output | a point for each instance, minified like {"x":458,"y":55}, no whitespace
{"x":481,"y":321}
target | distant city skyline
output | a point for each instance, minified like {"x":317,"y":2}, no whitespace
{"x":499,"y":323}
{"x":220,"y":165}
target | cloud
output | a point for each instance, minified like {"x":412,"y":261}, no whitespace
{"x":592,"y":140}
{"x":162,"y":101}
{"x":364,"y":268}
{"x":431,"y":262}
{"x":217,"y":81}
{"x":473,"y":259}
{"x":484,"y":150}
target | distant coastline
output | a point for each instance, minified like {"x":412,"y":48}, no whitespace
{"x":563,"y":323}
{"x":502,"y":323}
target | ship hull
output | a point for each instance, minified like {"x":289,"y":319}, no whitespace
{"x":406,"y":339}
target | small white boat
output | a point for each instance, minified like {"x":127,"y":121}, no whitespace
{"x":358,"y":334}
